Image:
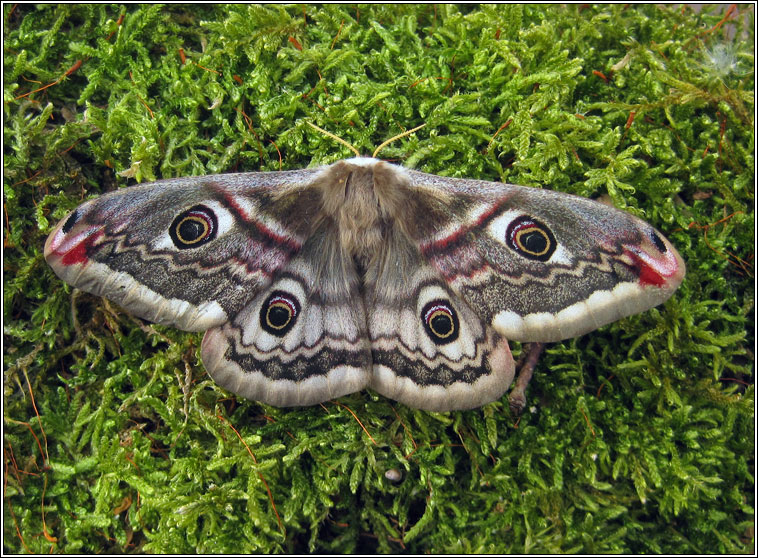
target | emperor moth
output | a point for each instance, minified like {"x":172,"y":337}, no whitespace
{"x":316,"y":283}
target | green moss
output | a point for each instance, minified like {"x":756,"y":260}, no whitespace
{"x":637,"y":438}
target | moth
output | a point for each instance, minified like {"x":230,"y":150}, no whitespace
{"x":312,"y":284}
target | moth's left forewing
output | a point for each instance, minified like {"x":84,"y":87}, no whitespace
{"x":187,"y":252}
{"x":542,"y":265}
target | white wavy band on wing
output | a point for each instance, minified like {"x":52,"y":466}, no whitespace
{"x":253,"y":384}
{"x":100,"y":280}
{"x":601,"y":308}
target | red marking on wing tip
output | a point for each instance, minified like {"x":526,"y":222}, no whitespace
{"x":79,"y":254}
{"x":648,"y":275}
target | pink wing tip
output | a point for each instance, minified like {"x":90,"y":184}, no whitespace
{"x":659,"y":264}
{"x":72,"y":247}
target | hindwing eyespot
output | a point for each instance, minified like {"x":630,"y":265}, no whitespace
{"x":440,"y":322}
{"x":279,"y":313}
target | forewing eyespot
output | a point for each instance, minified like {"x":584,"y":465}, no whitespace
{"x":530,"y":238}
{"x":194,"y":227}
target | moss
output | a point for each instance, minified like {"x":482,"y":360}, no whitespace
{"x":637,"y":438}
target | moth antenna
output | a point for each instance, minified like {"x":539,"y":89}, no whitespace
{"x":397,"y":137}
{"x":331,"y":135}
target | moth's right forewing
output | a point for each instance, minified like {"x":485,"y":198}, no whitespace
{"x":543,"y":266}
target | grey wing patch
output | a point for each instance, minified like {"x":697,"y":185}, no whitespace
{"x":429,"y":349}
{"x":302,"y":340}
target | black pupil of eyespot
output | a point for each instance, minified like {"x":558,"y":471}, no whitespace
{"x":534,"y":241}
{"x":441,"y":324}
{"x":191,"y":229}
{"x":278,"y":316}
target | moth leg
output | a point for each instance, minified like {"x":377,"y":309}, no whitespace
{"x":525,"y":366}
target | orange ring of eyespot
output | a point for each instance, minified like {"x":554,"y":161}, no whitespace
{"x":533,"y":228}
{"x":206,"y":229}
